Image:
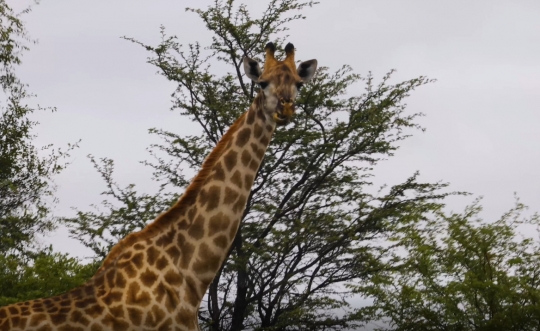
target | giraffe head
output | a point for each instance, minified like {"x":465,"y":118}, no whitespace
{"x":280,"y":81}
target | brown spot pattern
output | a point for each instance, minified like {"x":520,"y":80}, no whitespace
{"x":109,"y":299}
{"x":232,"y":232}
{"x":219,"y":174}
{"x":259,"y":152}
{"x":221,"y":241}
{"x":69,"y":327}
{"x":208,"y":261}
{"x":230,"y":159}
{"x":130,"y":271}
{"x":165,"y":326}
{"x":36,"y":319}
{"x":159,"y":292}
{"x":218,"y":223}
{"x":154,"y":317}
{"x":187,"y":253}
{"x":94,"y":311}
{"x":248,"y":181}
{"x":78,"y":317}
{"x":174,"y":253}
{"x":213,"y":197}
{"x":243,"y":137}
{"x":240,"y":204}
{"x":148,"y":278}
{"x":191,"y":295}
{"x":257,"y":130}
{"x":45,"y":327}
{"x":254,"y":166}
{"x":246,"y":158}
{"x":58,"y":318}
{"x":167,"y":238}
{"x":137,"y":260}
{"x":186,"y":317}
{"x":120,"y":281}
{"x":173,"y":278}
{"x":236,"y":179}
{"x":117,"y":311}
{"x":230,"y":196}
{"x":115,"y":324}
{"x":250,"y":117}
{"x":96,"y":327}
{"x":197,"y":228}
{"x":151,"y":255}
{"x":260,"y":114}
{"x":25,"y":311}
{"x":172,"y":301}
{"x":191,"y":214}
{"x":136,"y":296}
{"x":135,"y":316}
{"x":109,"y":276}
{"x":203,"y":197}
{"x":22,"y":322}
{"x":161,"y":263}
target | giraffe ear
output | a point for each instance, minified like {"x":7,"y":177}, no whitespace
{"x":252,"y":69}
{"x":306,"y":70}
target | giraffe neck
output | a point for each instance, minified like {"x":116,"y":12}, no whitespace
{"x":207,"y":226}
{"x":197,"y":232}
{"x":157,"y":277}
{"x":247,"y":139}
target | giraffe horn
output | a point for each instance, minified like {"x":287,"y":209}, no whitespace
{"x":270,"y":49}
{"x":289,"y":59}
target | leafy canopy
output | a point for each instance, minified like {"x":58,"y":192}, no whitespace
{"x":459,"y":272}
{"x":26,"y":188}
{"x":26,"y":185}
{"x":311,"y":224}
{"x":49,"y":273}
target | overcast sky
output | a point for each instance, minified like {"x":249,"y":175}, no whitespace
{"x":482,"y":115}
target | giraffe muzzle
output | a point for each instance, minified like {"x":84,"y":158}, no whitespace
{"x":284,"y":112}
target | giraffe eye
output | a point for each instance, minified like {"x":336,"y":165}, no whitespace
{"x":299,"y":85}
{"x":263,"y":85}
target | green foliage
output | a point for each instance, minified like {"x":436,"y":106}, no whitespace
{"x":311,"y":224}
{"x":25,"y":176}
{"x":459,"y":272}
{"x":46,"y":274}
{"x":26,"y":187}
{"x":12,"y":32}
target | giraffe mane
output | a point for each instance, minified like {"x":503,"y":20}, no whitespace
{"x":177,"y":210}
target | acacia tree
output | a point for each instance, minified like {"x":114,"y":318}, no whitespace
{"x":459,"y":272}
{"x":26,"y":186}
{"x":310,"y":225}
{"x":24,"y":176}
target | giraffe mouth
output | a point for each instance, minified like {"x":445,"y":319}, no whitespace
{"x":281,"y":119}
{"x":283,"y":114}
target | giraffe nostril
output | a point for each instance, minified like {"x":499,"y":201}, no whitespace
{"x":285,"y":101}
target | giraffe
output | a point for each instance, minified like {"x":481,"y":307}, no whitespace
{"x":155,"y":279}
